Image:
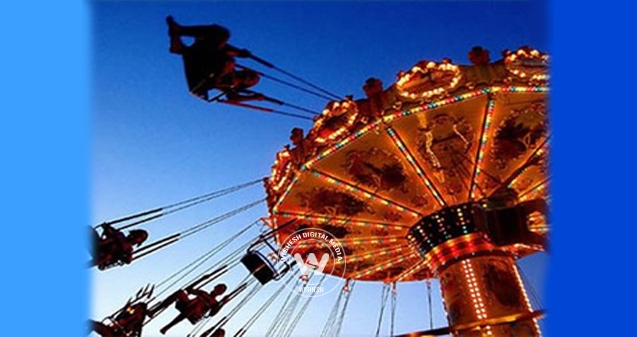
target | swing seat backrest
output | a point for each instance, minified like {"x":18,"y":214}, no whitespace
{"x":259,"y":266}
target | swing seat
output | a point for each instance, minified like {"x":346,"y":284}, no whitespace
{"x":109,"y":265}
{"x":259,"y":266}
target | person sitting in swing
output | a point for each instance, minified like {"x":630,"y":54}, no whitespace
{"x":114,"y":247}
{"x":192,"y":309}
{"x":209,"y":61}
{"x":128,"y":322}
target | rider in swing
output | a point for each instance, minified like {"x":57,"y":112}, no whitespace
{"x":194,"y":309}
{"x":114,"y":247}
{"x":128,"y":322}
{"x":209,"y":62}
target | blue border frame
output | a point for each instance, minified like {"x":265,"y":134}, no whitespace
{"x":45,"y":139}
{"x":44,"y":135}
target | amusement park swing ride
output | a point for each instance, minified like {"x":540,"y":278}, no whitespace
{"x":442,"y":175}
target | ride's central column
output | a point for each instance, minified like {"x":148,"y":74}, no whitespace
{"x":481,"y":287}
{"x":484,"y":296}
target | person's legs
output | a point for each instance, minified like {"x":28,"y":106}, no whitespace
{"x":177,"y":46}
{"x":182,"y":301}
{"x":216,"y":33}
{"x":100,"y":328}
{"x":246,"y":78}
{"x":177,"y":296}
{"x":172,"y":323}
{"x":94,"y":241}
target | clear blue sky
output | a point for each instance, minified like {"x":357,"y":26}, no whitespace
{"x":154,"y":144}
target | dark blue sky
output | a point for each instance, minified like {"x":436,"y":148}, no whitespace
{"x":155,"y":144}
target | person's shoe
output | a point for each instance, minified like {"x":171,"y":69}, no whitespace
{"x":201,"y":94}
{"x":173,"y":26}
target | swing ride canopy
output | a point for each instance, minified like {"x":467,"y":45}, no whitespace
{"x":443,"y":137}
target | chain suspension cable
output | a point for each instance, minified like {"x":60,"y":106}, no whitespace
{"x":278,"y":319}
{"x":431,"y":314}
{"x":198,"y":228}
{"x":282,"y":325}
{"x":300,"y":108}
{"x":229,"y":262}
{"x":536,"y":301}
{"x":242,"y":331}
{"x":289,"y":84}
{"x":292,"y":326}
{"x":242,"y":286}
{"x":246,"y":282}
{"x":162,"y":243}
{"x":178,"y":206}
{"x":256,"y":287}
{"x":187,"y":203}
{"x":192,"y":266}
{"x":292,"y":85}
{"x":130,"y":217}
{"x":339,"y":323}
{"x":289,"y":114}
{"x":383,"y":301}
{"x":139,"y":222}
{"x":329,"y":323}
{"x":270,"y":65}
{"x":394,"y":293}
{"x":264,"y":109}
{"x":307,"y":83}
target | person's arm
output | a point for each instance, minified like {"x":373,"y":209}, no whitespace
{"x":109,"y":231}
{"x":236,"y":52}
{"x":198,"y":292}
{"x":126,"y":250}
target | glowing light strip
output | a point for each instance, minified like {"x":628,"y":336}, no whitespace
{"x":526,"y":298}
{"x":455,"y":248}
{"x":519,"y":89}
{"x":373,"y":253}
{"x":444,"y":66}
{"x":476,"y":295}
{"x":278,"y":177}
{"x":437,"y":104}
{"x":437,"y":256}
{"x":358,"y":241}
{"x":483,"y":142}
{"x":538,"y":152}
{"x":345,"y":105}
{"x":535,"y":190}
{"x":341,"y":221}
{"x":538,"y":224}
{"x":527,"y":54}
{"x":407,"y":154}
{"x":385,"y":264}
{"x":337,"y":146}
{"x":363,"y":193}
{"x":429,"y":106}
{"x":418,"y":267}
{"x":285,"y":193}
